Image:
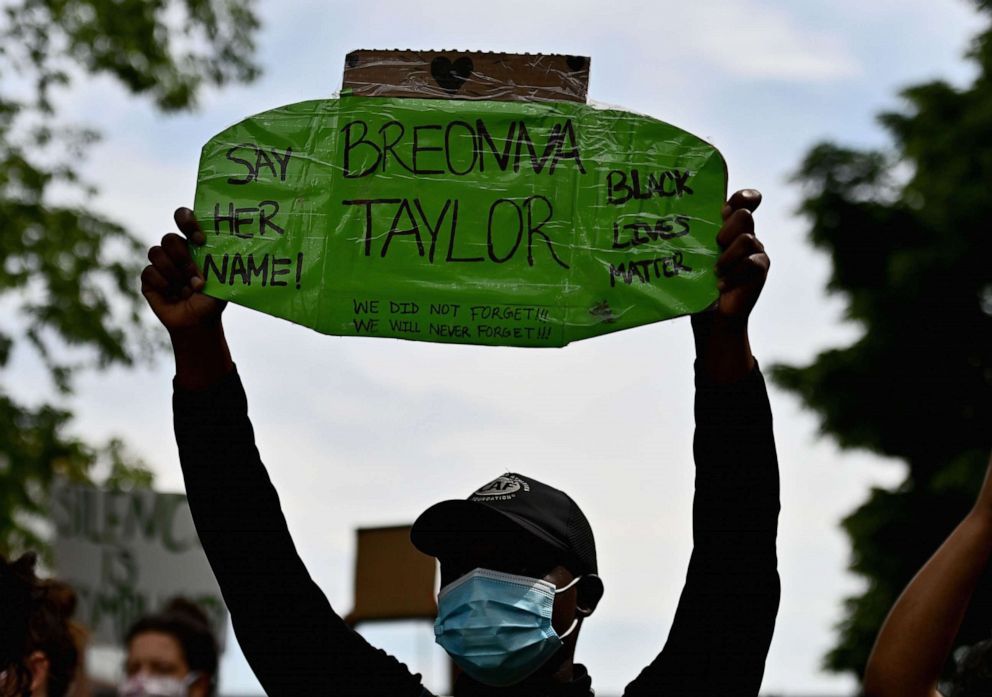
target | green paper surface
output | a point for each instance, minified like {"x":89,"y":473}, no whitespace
{"x":502,"y":223}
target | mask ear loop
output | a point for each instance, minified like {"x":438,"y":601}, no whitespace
{"x":575,"y":621}
{"x":571,"y":628}
{"x":568,"y":585}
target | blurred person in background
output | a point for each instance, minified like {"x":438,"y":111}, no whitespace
{"x":40,"y":646}
{"x":918,"y":635}
{"x":172,"y":653}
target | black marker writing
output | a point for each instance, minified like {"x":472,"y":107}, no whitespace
{"x":622,"y":186}
{"x":258,"y":159}
{"x":241,"y":222}
{"x":405,"y":308}
{"x":647,"y":270}
{"x":456,"y":148}
{"x":515,"y":313}
{"x":644,"y":231}
{"x":488,"y":331}
{"x":444,"y":309}
{"x":266,"y":270}
{"x":450,"y":331}
{"x":366,"y":307}
{"x":367,"y":326}
{"x":404,"y":326}
{"x":508,"y":220}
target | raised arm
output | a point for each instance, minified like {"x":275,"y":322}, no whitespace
{"x":726,"y":615}
{"x":292,"y":638}
{"x":723,"y":351}
{"x":919,"y":632}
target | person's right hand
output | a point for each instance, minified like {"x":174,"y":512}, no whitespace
{"x":172,"y":282}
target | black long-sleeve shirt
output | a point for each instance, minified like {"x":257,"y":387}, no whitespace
{"x":297,"y":645}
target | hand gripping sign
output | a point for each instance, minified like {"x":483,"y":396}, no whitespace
{"x":460,"y":220}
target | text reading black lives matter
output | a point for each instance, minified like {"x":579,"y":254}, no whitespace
{"x":514,"y":226}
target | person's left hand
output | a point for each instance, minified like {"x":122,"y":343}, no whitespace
{"x":722,"y":346}
{"x":743,"y":266}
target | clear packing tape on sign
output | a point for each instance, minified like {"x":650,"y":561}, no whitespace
{"x":478,"y":222}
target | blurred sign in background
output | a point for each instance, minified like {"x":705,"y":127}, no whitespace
{"x":127,"y":553}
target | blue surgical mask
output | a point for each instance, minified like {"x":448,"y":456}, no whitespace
{"x":496,"y":626}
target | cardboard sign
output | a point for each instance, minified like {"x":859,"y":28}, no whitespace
{"x":126,"y":554}
{"x":482,"y":222}
{"x":466,"y":75}
{"x":384,"y":555}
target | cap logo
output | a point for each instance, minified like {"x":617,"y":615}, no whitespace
{"x":501,"y":489}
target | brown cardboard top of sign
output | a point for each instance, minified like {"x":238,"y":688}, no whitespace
{"x":466,"y":75}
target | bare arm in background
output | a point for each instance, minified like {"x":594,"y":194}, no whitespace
{"x":919,"y":632}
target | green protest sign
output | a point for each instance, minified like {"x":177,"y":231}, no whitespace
{"x":509,"y":223}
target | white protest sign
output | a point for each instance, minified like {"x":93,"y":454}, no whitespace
{"x":127,"y":553}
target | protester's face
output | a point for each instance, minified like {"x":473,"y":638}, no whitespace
{"x":157,"y":654}
{"x":160,"y":655}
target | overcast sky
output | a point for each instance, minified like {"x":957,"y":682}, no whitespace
{"x":362,"y":432}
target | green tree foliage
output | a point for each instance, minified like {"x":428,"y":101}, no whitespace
{"x":908,"y":234}
{"x":68,"y":288}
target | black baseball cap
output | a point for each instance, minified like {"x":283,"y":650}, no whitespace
{"x":510,"y":503}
